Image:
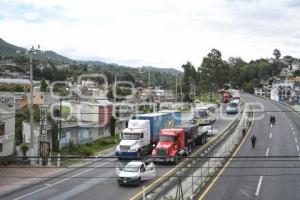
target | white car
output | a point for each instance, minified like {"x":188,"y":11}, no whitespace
{"x":211,"y":131}
{"x":134,"y":172}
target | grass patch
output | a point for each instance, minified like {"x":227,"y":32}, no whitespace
{"x":91,"y":148}
{"x":214,"y":99}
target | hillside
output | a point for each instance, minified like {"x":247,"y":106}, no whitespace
{"x":7,"y":49}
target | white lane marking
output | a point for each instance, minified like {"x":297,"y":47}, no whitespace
{"x":47,"y":184}
{"x":270,"y":135}
{"x":297,"y":147}
{"x":296,"y":140}
{"x":268,"y":113}
{"x":271,"y":125}
{"x":258,"y":185}
{"x":58,"y":182}
{"x":294,"y":132}
{"x":267,"y":152}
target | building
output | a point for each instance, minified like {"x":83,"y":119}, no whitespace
{"x":8,"y":83}
{"x":38,"y":96}
{"x":7,"y":125}
{"x":264,"y":91}
{"x":283,"y":92}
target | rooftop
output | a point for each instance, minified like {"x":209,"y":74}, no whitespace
{"x":14,"y":81}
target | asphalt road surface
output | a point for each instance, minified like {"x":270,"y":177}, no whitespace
{"x":271,"y":177}
{"x":95,"y":181}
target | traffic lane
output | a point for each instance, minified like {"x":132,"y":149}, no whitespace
{"x":281,"y":177}
{"x":237,"y":181}
{"x":45,"y":188}
{"x":277,"y":183}
{"x":246,"y":187}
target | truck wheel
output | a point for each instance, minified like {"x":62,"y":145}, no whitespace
{"x":139,"y":153}
{"x":139,"y":181}
{"x":189,"y":150}
{"x":175,"y":160}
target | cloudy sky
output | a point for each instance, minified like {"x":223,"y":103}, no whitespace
{"x":161,"y":33}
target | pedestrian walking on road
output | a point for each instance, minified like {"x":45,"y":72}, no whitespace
{"x":253,"y":140}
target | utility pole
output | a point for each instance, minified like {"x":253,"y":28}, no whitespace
{"x":149,"y":85}
{"x":115,"y":89}
{"x":176,"y":90}
{"x":181,"y":90}
{"x":31,"y":99}
{"x":32,"y":50}
{"x":60,"y":118}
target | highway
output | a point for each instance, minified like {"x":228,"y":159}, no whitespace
{"x":267,"y":178}
{"x":94,"y":181}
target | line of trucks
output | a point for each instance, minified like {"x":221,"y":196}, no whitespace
{"x":162,"y":134}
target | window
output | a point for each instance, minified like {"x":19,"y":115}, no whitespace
{"x":165,"y":138}
{"x":2,"y":128}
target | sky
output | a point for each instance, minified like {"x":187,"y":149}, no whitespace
{"x":160,"y":33}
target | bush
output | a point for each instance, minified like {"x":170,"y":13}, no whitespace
{"x":24,"y":147}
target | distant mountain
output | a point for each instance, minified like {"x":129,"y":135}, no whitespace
{"x":172,"y":71}
{"x":51,"y":55}
{"x":7,"y":49}
{"x":92,"y":62}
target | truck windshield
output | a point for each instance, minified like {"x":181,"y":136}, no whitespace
{"x":131,"y":168}
{"x":165,"y":138}
{"x":202,"y":113}
{"x":232,"y":105}
{"x":131,"y":136}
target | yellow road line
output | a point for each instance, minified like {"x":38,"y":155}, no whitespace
{"x":180,"y":164}
{"x":226,"y":165}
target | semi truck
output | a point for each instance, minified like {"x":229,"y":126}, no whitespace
{"x":142,"y":134}
{"x":226,"y":96}
{"x":179,"y":141}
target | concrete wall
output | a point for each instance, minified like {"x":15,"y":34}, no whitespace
{"x":7,"y":141}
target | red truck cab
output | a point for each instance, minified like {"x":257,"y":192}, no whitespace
{"x":171,"y":143}
{"x":226,"y":97}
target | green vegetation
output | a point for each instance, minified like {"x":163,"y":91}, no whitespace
{"x":214,"y":98}
{"x":215,"y":73}
{"x":43,"y":86}
{"x":92,"y":147}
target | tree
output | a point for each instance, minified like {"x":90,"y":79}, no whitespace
{"x":276,"y":54}
{"x":85,"y":69}
{"x":188,"y":80}
{"x":112,"y":126}
{"x":214,"y":71}
{"x":249,"y":87}
{"x":235,"y":65}
{"x":290,"y":60}
{"x":43,"y":86}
